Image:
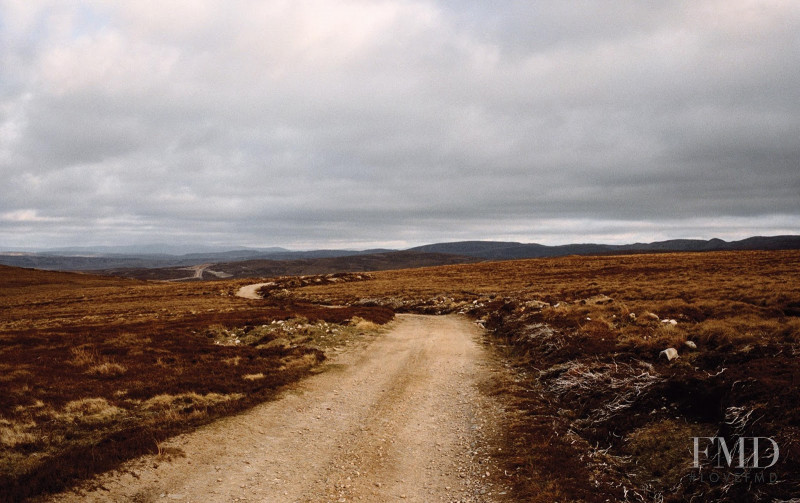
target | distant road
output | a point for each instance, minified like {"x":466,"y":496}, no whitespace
{"x":198,"y":273}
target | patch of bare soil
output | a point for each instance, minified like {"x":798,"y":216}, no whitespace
{"x":250,"y":291}
{"x":399,"y":417}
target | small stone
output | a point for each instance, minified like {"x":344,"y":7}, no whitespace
{"x":669,"y":353}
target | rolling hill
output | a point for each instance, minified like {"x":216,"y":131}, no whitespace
{"x":299,"y":267}
{"x":499,"y":250}
{"x":153,"y":262}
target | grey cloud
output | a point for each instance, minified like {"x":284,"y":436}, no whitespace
{"x":290,"y":124}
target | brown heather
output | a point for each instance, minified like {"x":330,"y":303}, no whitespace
{"x":96,"y":370}
{"x":112,"y":366}
{"x":597,"y":414}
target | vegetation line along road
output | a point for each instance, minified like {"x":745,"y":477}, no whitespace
{"x":399,"y":417}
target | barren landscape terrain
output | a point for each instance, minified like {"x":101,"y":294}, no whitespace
{"x":567,"y":394}
{"x":96,"y":370}
{"x":598,"y":412}
{"x":398,"y":417}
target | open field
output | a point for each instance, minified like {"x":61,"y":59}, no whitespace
{"x":95,"y":370}
{"x":101,"y":369}
{"x":600,"y":415}
{"x":398,"y":417}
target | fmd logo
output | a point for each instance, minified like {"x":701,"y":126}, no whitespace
{"x":745,"y":452}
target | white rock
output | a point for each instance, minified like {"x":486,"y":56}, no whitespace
{"x":690,"y":344}
{"x":670,"y":353}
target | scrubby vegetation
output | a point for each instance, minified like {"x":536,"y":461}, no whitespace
{"x":96,"y":370}
{"x":601,"y":413}
{"x":101,"y":369}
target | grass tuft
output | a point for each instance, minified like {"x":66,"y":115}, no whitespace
{"x":107,"y":369}
{"x":253,"y":377}
{"x":89,"y":411}
{"x":16,"y":434}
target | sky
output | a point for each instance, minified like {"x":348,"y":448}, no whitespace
{"x":361,"y":124}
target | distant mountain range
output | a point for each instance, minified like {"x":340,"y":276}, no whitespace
{"x":94,"y":259}
{"x":155,"y":261}
{"x":152,"y":249}
{"x":500,"y":250}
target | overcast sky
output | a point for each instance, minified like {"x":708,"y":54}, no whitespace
{"x":326,"y":123}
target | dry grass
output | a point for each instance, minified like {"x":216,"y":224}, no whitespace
{"x":84,"y":356}
{"x":16,"y":434}
{"x":93,"y":369}
{"x":253,"y":377}
{"x":89,"y":411}
{"x":660,"y":449}
{"x":364,"y":325}
{"x":188,"y":401}
{"x":600,"y":416}
{"x":107,"y":369}
{"x":589,"y":401}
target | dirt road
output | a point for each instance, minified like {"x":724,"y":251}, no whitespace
{"x":397,"y":418}
{"x":198,"y":271}
{"x":250,"y":291}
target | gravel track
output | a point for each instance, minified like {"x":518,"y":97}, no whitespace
{"x":250,"y":291}
{"x":397,"y":417}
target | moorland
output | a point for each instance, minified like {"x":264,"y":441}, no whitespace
{"x":95,"y":370}
{"x":98,"y":369}
{"x":601,"y":413}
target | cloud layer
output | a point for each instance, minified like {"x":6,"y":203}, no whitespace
{"x":364,"y":123}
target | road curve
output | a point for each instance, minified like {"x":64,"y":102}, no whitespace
{"x":398,"y":418}
{"x":251,"y":291}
